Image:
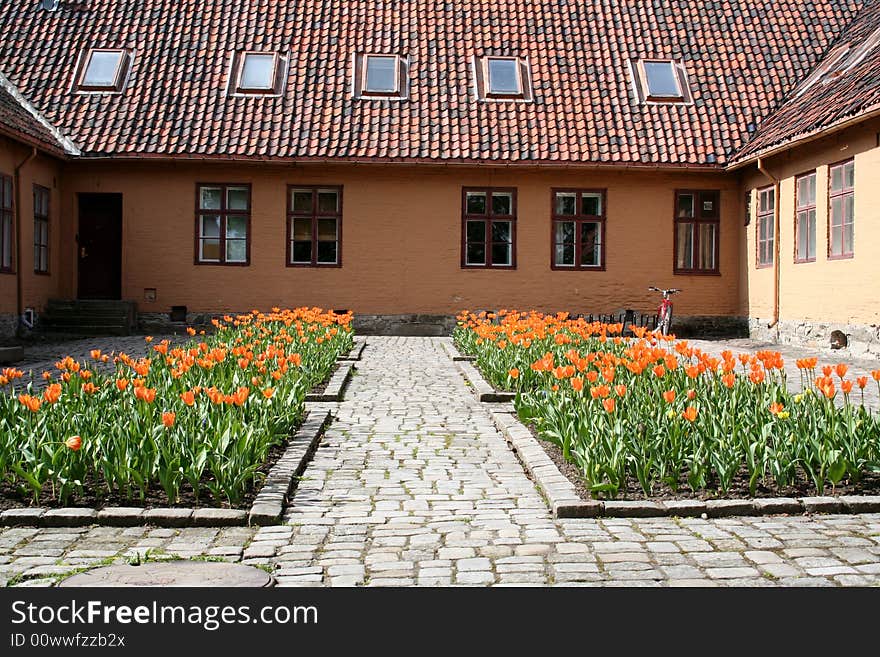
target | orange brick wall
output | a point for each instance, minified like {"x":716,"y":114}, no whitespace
{"x":402,"y":240}
{"x":42,"y":170}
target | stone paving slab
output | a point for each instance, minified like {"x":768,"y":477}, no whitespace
{"x":414,"y":485}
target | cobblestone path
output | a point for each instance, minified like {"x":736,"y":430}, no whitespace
{"x":413,"y":485}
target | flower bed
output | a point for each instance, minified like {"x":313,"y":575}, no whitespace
{"x":653,"y":410}
{"x":202,"y":416}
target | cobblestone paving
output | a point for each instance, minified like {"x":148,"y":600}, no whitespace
{"x":413,"y":485}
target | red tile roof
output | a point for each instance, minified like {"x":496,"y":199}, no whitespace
{"x":19,"y":123}
{"x":741,"y":58}
{"x":823,"y":105}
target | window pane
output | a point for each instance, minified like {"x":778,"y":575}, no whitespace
{"x":37,"y":263}
{"x":6,"y":255}
{"x":803,"y":227}
{"x":476,"y":254}
{"x":685,"y":205}
{"x":258,"y":72}
{"x":501,"y":231}
{"x":661,"y":78}
{"x":326,"y":230}
{"x":836,"y":178}
{"x":476,"y":231}
{"x":381,"y":74}
{"x":210,"y":198}
{"x":501,"y":254}
{"x":564,"y":256}
{"x":566,"y":203}
{"x":102,"y":69}
{"x":504,"y":76}
{"x":328,"y":202}
{"x":564,"y":231}
{"x":848,"y":238}
{"x":502,"y":204}
{"x":849,"y":175}
{"x":685,"y":257}
{"x":707,"y":205}
{"x":476,"y":203}
{"x":301,"y":201}
{"x":210,"y":249}
{"x":811,"y":232}
{"x":836,"y":240}
{"x":806,"y":192}
{"x":302,"y":229}
{"x":591,"y":244}
{"x":237,"y":198}
{"x":849,"y":209}
{"x":592,"y":205}
{"x":236,"y":250}
{"x":302,"y":252}
{"x":236,"y":227}
{"x":7,"y":193}
{"x":707,"y":246}
{"x":837,"y":211}
{"x":210,"y":226}
{"x":327,"y":252}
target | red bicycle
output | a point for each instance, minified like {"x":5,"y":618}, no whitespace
{"x":664,"y":311}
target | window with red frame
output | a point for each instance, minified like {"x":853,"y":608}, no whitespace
{"x":805,"y":222}
{"x":223,"y":215}
{"x":488,"y":228}
{"x":697,"y":224}
{"x":578,"y":229}
{"x":6,"y":223}
{"x":766,"y":226}
{"x":314,"y":226}
{"x":841,"y":215}
{"x":41,"y":230}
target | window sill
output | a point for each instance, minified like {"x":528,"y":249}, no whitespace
{"x":200,"y":263}
{"x":764,"y":266}
{"x":845,"y":256}
{"x":318,"y":265}
{"x":695,"y":272}
{"x":41,"y":273}
{"x":7,"y":271}
{"x":581,"y":268}
{"x":485,"y":267}
{"x":804,"y":261}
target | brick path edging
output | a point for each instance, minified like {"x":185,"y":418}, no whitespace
{"x":357,"y":351}
{"x":565,"y":502}
{"x":266,"y":509}
{"x":480,"y":387}
{"x":336,"y":386}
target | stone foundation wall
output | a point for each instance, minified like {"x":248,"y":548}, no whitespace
{"x":710,"y":327}
{"x":8,"y":325}
{"x":863,"y":340}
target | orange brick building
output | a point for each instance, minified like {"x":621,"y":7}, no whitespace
{"x":409,"y":160}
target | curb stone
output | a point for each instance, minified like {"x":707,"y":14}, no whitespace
{"x":453,"y":352}
{"x":483,"y":391}
{"x":336,"y":386}
{"x":356,"y":352}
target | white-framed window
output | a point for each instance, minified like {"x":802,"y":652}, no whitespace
{"x":661,"y":81}
{"x":104,"y":70}
{"x":502,"y":78}
{"x":380,"y":76}
{"x":258,"y":73}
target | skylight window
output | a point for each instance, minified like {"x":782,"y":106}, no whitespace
{"x":380,"y":76}
{"x":258,"y":73}
{"x":661,"y":81}
{"x":104,"y":70}
{"x":503,"y":78}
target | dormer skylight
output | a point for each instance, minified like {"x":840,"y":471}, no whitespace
{"x":502,"y":78}
{"x":380,"y":76}
{"x":104,"y":70}
{"x":260,"y":73}
{"x":661,"y":81}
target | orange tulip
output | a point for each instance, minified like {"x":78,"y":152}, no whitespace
{"x":168,"y":419}
{"x":776,"y":408}
{"x":31,"y":403}
{"x":756,"y":376}
{"x":608,"y":404}
{"x":692,"y":371}
{"x":846,"y":386}
{"x":190,"y":330}
{"x":145,"y":394}
{"x":620,"y":390}
{"x":690,"y":414}
{"x":148,"y":339}
{"x":73,"y":443}
{"x":121,"y":384}
{"x":841,"y":369}
{"x":268,"y":392}
{"x":52,"y":393}
{"x":89,"y":388}
{"x":691,"y":394}
{"x":875,"y":374}
{"x":240,"y":396}
{"x":47,"y":376}
{"x":577,"y":383}
{"x":659,"y":371}
{"x":669,"y":396}
{"x":729,"y":379}
{"x":513,"y":373}
{"x":188,"y":397}
{"x":826,"y":370}
{"x":862,"y":381}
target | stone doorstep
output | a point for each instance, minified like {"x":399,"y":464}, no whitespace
{"x":336,"y":386}
{"x":357,"y":351}
{"x":265,"y":510}
{"x":483,"y":391}
{"x":564,"y":504}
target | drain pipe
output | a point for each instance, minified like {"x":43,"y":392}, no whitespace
{"x":19,"y":286}
{"x":776,"y":251}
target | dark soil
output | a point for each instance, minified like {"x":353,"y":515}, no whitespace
{"x":739,"y":488}
{"x":96,"y":495}
{"x":319,"y":388}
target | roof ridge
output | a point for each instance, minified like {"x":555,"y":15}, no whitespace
{"x":69,"y":146}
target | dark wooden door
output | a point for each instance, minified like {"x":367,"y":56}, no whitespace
{"x":99,"y":246}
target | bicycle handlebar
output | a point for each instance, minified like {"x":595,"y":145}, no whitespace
{"x":669,"y":291}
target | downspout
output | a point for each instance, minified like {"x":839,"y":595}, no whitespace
{"x":19,"y":286}
{"x":776,"y":240}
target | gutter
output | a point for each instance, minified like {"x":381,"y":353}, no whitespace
{"x":776,"y":240}
{"x":69,"y":147}
{"x":19,"y":285}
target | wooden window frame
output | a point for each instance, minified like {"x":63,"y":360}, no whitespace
{"x":643,"y":90}
{"x":846,"y":191}
{"x":7,"y":213}
{"x":314,"y":215}
{"x":761,"y":217}
{"x":359,"y":77}
{"x":278,"y":76}
{"x":224,"y":215}
{"x":42,"y":219}
{"x":481,"y":81}
{"x":578,"y":219}
{"x":488,"y":218}
{"x":798,"y":209}
{"x":124,"y":67}
{"x":698,"y":219}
